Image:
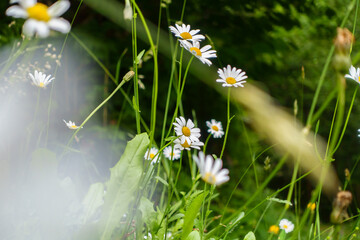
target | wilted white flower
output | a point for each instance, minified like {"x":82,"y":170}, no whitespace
{"x":286,"y":225}
{"x":71,"y":125}
{"x":186,"y":130}
{"x":203,"y":54}
{"x":40,"y":79}
{"x":231,"y":77}
{"x":40,"y":18}
{"x":152,"y":155}
{"x":172,"y":153}
{"x":128,"y":12}
{"x":354,"y":74}
{"x":187,"y":145}
{"x":185,"y":33}
{"x":215,"y":128}
{"x":211,"y":172}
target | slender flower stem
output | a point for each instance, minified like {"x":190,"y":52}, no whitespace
{"x":324,"y":71}
{"x":212,"y":188}
{"x":227,"y":124}
{"x":203,"y":212}
{"x":135,"y":67}
{"x":206,"y":142}
{"x":155,"y":82}
{"x":95,"y":110}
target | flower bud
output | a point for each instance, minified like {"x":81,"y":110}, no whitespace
{"x":128,"y":13}
{"x":129,"y":75}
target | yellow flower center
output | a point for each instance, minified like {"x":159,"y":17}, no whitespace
{"x":41,"y":85}
{"x":215,"y":128}
{"x":274,"y":229}
{"x":210,"y":178}
{"x":152,"y":155}
{"x":73,"y":126}
{"x":230,"y":80}
{"x":186,"y":131}
{"x":285,"y":226}
{"x":186,"y":35}
{"x":39,"y":12}
{"x":185,"y":144}
{"x":359,"y":79}
{"x":311,"y":206}
{"x":196,"y":50}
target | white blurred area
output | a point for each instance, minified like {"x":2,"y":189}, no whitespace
{"x":42,"y":182}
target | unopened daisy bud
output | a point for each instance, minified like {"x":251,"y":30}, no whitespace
{"x":267,"y":164}
{"x":296,"y":108}
{"x":347,"y":174}
{"x":129,"y":75}
{"x":128,"y":14}
{"x":343,"y":40}
{"x":340,"y":205}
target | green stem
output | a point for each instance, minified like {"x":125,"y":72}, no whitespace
{"x":206,"y":142}
{"x":95,"y":110}
{"x":155,"y":82}
{"x":135,"y":67}
{"x":227,"y":123}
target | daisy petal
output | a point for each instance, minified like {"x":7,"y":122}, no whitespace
{"x":16,"y":12}
{"x":58,"y":8}
{"x":60,"y":25}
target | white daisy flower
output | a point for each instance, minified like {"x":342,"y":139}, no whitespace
{"x":358,"y":132}
{"x":215,"y":128}
{"x":71,"y":125}
{"x":172,"y":153}
{"x":186,"y":130}
{"x":40,"y":79}
{"x":211,"y":172}
{"x":201,"y":53}
{"x":185,"y":33}
{"x":152,"y":155}
{"x":286,"y":225}
{"x":40,"y":18}
{"x":187,"y":145}
{"x":354,"y":74}
{"x":231,"y":77}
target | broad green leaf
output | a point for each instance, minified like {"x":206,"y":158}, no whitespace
{"x":147,"y":209}
{"x":191,"y":212}
{"x":194,"y":235}
{"x":282,"y":235}
{"x":250,"y":236}
{"x":93,"y":200}
{"x":123,"y":184}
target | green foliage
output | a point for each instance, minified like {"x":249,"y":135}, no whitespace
{"x":192,"y":210}
{"x":93,"y":200}
{"x":194,"y":235}
{"x":149,"y":215}
{"x":250,"y":236}
{"x":123,"y":184}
